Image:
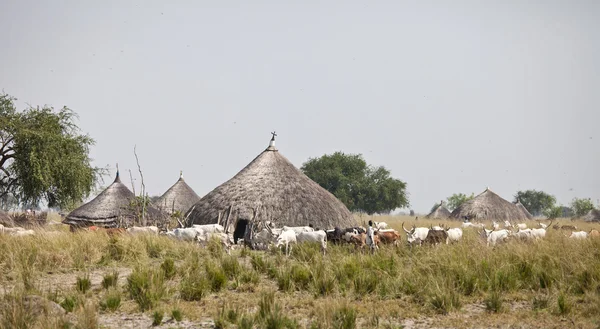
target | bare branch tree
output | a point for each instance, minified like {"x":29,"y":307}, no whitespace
{"x":143,"y":191}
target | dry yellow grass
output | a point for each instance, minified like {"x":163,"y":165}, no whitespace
{"x":551,"y":283}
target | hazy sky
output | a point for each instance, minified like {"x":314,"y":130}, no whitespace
{"x":451,"y":96}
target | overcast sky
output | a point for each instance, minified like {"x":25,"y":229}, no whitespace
{"x":451,"y":96}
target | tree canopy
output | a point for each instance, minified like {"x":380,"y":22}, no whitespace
{"x":581,"y":206}
{"x":456,"y":199}
{"x":536,"y":202}
{"x":43,"y":156}
{"x":359,"y":186}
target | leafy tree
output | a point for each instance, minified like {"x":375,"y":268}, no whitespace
{"x":554,"y":212}
{"x":359,"y":186}
{"x":43,"y":156}
{"x":456,"y":199}
{"x":581,"y":206}
{"x":536,"y":202}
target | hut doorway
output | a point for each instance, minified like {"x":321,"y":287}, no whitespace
{"x":240,"y":230}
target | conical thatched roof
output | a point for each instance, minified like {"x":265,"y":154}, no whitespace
{"x":277,"y":191}
{"x":439,"y":212}
{"x":109,"y":207}
{"x":524,"y":210}
{"x":488,"y":205}
{"x":592,"y":216}
{"x":179,"y":197}
{"x":5,"y":219}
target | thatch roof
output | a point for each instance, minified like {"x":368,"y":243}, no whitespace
{"x":440,"y":212}
{"x":179,"y":197}
{"x":488,"y":205}
{"x":6,"y":220}
{"x":592,"y":216}
{"x":109,"y":208}
{"x":277,"y":191}
{"x":524,"y":210}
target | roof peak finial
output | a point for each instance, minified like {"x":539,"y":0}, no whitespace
{"x":181,"y":174}
{"x":272,"y":142}
{"x":117,"y":178}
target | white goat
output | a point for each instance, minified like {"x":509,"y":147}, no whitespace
{"x":454,"y":234}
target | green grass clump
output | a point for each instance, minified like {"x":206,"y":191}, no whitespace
{"x":344,"y":318}
{"x":216,"y":276}
{"x":177,"y":315}
{"x":564,"y":305}
{"x":494,"y":302}
{"x":83,"y":284}
{"x":146,"y":287}
{"x":110,"y":280}
{"x":168,"y":268}
{"x":231,"y":267}
{"x":301,"y":276}
{"x":112,"y":300}
{"x":157,"y":318}
{"x":193,"y":287}
{"x":445,"y":301}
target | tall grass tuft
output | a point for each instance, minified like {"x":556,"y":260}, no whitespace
{"x":344,"y":318}
{"x":494,"y":302}
{"x":112,"y":300}
{"x":110,"y":280}
{"x":168,"y":268}
{"x":146,"y":287}
{"x":83,"y":284}
{"x":216,"y":276}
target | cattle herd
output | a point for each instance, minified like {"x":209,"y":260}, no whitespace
{"x":260,"y":236}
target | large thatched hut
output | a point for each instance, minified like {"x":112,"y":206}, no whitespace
{"x":271,"y":189}
{"x":440,"y":212}
{"x":488,"y":205}
{"x":524,"y":210}
{"x":592,"y":216}
{"x":178,"y":198}
{"x":113,"y":207}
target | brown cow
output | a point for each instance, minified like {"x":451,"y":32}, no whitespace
{"x":388,"y":237}
{"x":360,"y":240}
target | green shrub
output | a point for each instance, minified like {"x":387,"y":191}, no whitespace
{"x":146,"y":287}
{"x":284,"y":281}
{"x":231,"y":267}
{"x":301,"y":276}
{"x":366,"y":283}
{"x":83,"y":284}
{"x":564,"y":305}
{"x":69,"y":303}
{"x":258,"y":263}
{"x":114,"y":251}
{"x":110,"y":280}
{"x":168,"y":268}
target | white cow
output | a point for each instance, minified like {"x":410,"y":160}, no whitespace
{"x":286,"y":238}
{"x":521,"y":226}
{"x":143,"y":230}
{"x":540,"y":233}
{"x":298,"y":229}
{"x":23,"y":233}
{"x":210,"y":228}
{"x":348,"y":235}
{"x":416,"y":234}
{"x":437,"y":228}
{"x":185,"y":234}
{"x":579,"y":235}
{"x":495,"y":225}
{"x":454,"y":234}
{"x":380,"y":225}
{"x":524,"y":234}
{"x":10,"y":230}
{"x":316,"y":236}
{"x":495,"y":237}
{"x":507,"y":224}
{"x":542,"y":225}
{"x":473,"y":225}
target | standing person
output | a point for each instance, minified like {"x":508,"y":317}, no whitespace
{"x":371,"y":237}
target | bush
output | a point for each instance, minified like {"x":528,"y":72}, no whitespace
{"x":69,"y":303}
{"x":146,"y":287}
{"x":83,"y":284}
{"x":564,"y":305}
{"x":168,"y":268}
{"x":110,"y":280}
{"x":112,"y":300}
{"x":157,"y":318}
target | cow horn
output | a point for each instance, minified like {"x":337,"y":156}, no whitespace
{"x":549,"y":225}
{"x":405,"y":230}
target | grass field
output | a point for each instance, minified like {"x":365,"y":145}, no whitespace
{"x":133,"y":281}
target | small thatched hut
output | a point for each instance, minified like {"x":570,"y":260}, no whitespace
{"x":114,"y":207}
{"x":271,"y":189}
{"x":592,"y":216}
{"x":524,"y":210}
{"x":440,"y":212}
{"x":180,"y":197}
{"x":488,"y":205}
